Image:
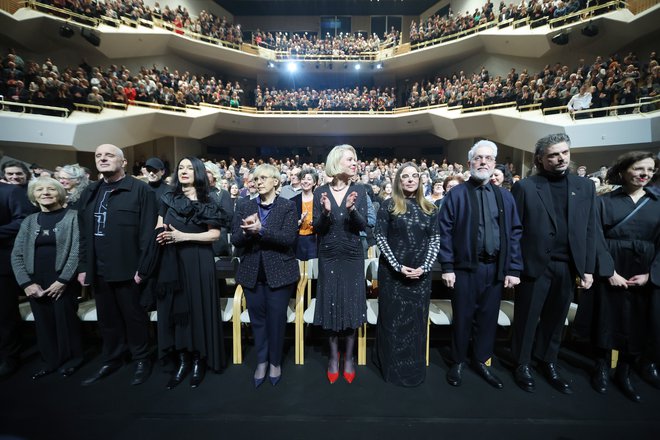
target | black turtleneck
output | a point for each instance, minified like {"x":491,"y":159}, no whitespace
{"x":559,"y":191}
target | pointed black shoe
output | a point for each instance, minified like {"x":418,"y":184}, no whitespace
{"x":103,"y":372}
{"x":551,"y":374}
{"x":198,"y":371}
{"x":41,"y":373}
{"x":455,"y":374}
{"x":601,"y":377}
{"x":622,"y":379}
{"x":274,"y":380}
{"x":486,"y":373}
{"x":181,"y":372}
{"x":649,"y":372}
{"x":259,"y":382}
{"x":524,"y":379}
{"x":142,"y":372}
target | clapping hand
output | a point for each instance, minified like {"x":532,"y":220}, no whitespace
{"x":251,"y":224}
{"x":325,"y":203}
{"x":350,"y":200}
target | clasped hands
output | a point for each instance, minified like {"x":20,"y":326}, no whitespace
{"x":55,"y":290}
{"x":251,"y":224}
{"x":411,"y":273}
{"x":617,"y":280}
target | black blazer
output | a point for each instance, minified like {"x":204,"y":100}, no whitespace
{"x":274,"y":248}
{"x":132,"y":211}
{"x":12,"y":213}
{"x":537,"y":215}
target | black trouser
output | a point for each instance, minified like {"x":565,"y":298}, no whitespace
{"x":540,"y":311}
{"x":10,"y":319}
{"x":475,"y":304}
{"x":122,"y":320}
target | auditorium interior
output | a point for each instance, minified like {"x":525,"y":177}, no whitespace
{"x":304,"y":405}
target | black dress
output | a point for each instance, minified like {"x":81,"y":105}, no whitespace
{"x":189,"y":316}
{"x":412,"y":240}
{"x":623,"y":317}
{"x":341,"y":289}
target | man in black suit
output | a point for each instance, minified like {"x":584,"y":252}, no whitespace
{"x":557,"y":210}
{"x":117,"y":217}
{"x":12,"y":214}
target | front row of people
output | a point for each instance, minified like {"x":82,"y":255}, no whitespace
{"x":549,"y":231}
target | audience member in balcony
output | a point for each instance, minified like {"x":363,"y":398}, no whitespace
{"x":340,"y":213}
{"x":628,"y":95}
{"x":480,"y":255}
{"x":74,"y":180}
{"x":117,"y":216}
{"x":189,"y":321}
{"x":628,"y":285}
{"x":45,"y":262}
{"x":551,"y":101}
{"x":558,"y":246}
{"x":265,"y":228}
{"x":408,"y":237}
{"x":600,"y":98}
{"x":95,"y":98}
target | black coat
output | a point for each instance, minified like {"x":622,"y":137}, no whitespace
{"x":133,"y":212}
{"x":537,"y":215}
{"x":12,"y":213}
{"x":274,"y":248}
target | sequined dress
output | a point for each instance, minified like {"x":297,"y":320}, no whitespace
{"x":341,"y":289}
{"x":412,"y":240}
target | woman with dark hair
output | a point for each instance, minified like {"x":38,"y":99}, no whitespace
{"x":437,"y":192}
{"x":265,"y":230}
{"x":340,"y":214}
{"x":627,"y":299}
{"x":306,"y":248}
{"x":45,"y":262}
{"x":189,"y":321}
{"x":501,"y":176}
{"x":408,"y":236}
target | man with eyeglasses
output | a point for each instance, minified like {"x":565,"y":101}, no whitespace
{"x":479,"y":255}
{"x":557,"y":210}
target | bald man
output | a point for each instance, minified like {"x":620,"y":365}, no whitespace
{"x":117,"y":216}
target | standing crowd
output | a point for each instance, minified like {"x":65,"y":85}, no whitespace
{"x":148,"y":243}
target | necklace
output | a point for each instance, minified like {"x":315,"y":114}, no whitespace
{"x":338,"y":189}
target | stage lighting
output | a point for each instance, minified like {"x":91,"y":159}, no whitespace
{"x":590,"y":30}
{"x":379,"y":66}
{"x":357,"y":67}
{"x":270,"y":65}
{"x":292,"y":67}
{"x":66,"y":31}
{"x":560,"y":39}
{"x":91,"y":37}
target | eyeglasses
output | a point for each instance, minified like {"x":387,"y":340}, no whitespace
{"x":410,"y":176}
{"x":488,"y":159}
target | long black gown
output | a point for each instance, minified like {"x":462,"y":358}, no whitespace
{"x":201,"y":330}
{"x":341,"y":290}
{"x":412,"y":240}
{"x":624,"y":318}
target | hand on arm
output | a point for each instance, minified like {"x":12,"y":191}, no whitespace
{"x":34,"y":290}
{"x":55,"y":290}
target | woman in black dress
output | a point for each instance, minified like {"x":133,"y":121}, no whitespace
{"x":408,"y":236}
{"x":265,"y":230}
{"x":340,"y":213}
{"x":627,"y":300}
{"x":189,"y":319}
{"x":45,"y":261}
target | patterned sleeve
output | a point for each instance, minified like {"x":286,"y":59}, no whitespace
{"x":380,"y":234}
{"x":434,"y":243}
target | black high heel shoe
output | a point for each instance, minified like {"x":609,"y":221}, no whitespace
{"x":181,"y":372}
{"x":198,"y":370}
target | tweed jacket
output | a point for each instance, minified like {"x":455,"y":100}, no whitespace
{"x":66,"y":248}
{"x":273,"y":248}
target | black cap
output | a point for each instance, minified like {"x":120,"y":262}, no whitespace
{"x":154,"y":162}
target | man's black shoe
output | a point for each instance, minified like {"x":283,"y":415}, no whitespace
{"x":600,"y":379}
{"x":551,"y":373}
{"x":105,"y":371}
{"x":142,"y":372}
{"x":486,"y":372}
{"x":455,"y":374}
{"x":524,"y":379}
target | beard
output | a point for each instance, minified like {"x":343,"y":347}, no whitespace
{"x":480,"y":175}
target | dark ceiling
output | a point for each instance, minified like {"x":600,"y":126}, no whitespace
{"x":326,"y":7}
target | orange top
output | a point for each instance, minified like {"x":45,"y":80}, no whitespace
{"x":306,"y":225}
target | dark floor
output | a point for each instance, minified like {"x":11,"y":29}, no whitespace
{"x":305,"y":406}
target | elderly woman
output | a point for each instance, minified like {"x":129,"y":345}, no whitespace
{"x":74,"y":180}
{"x":340,"y":214}
{"x":627,"y":300}
{"x":189,"y":321}
{"x":408,"y":235}
{"x":265,"y":229}
{"x":306,"y":245}
{"x":45,"y":259}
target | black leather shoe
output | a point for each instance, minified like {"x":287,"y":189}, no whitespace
{"x":649,"y":372}
{"x":622,"y":379}
{"x":524,"y":379}
{"x":601,"y":377}
{"x":142,"y":372}
{"x":551,"y":373}
{"x":455,"y":374}
{"x":41,"y":373}
{"x":198,"y":371}
{"x":68,"y":371}
{"x":8,"y":367}
{"x":181,"y":372}
{"x":486,"y":372}
{"x":105,"y":371}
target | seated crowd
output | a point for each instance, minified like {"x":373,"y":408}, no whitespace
{"x":344,"y":99}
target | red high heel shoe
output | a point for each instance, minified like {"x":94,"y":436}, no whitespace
{"x":332,"y":377}
{"x":348,"y":377}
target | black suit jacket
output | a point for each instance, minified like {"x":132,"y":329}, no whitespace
{"x":12,"y":213}
{"x":274,"y":248}
{"x":132,"y":214}
{"x":537,"y":214}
